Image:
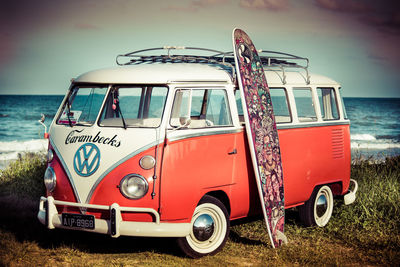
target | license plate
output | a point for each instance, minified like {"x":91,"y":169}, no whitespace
{"x":78,"y":220}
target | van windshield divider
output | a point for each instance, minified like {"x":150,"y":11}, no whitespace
{"x":69,"y":111}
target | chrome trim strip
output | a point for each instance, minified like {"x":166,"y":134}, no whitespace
{"x":309,"y":125}
{"x":134,"y":153}
{"x":66,"y":170}
{"x":197,"y":134}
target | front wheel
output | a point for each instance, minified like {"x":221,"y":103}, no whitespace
{"x":318,"y":209}
{"x":210,"y":229}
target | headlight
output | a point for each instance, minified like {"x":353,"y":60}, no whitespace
{"x":147,"y":162}
{"x":50,"y":179}
{"x":133,"y":186}
{"x":50,"y":155}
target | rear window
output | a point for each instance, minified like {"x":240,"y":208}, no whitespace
{"x":343,"y":106}
{"x":328,"y":103}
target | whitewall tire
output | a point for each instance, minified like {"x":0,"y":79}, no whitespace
{"x":318,"y":209}
{"x":210,"y":229}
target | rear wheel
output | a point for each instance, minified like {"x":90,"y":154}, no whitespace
{"x":210,"y":229}
{"x":318,"y":209}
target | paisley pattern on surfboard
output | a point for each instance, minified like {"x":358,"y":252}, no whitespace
{"x":263,"y":133}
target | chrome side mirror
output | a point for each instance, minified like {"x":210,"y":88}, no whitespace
{"x":41,"y":121}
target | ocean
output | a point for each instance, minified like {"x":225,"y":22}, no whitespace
{"x":375,"y":125}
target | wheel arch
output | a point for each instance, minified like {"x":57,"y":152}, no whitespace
{"x":221,"y":196}
{"x":335,"y":186}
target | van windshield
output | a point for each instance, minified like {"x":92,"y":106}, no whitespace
{"x":82,"y":105}
{"x":134,"y":106}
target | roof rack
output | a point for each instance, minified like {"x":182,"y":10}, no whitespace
{"x":284,"y":60}
{"x":271,"y":59}
{"x":216,"y":57}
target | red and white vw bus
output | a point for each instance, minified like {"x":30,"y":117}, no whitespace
{"x":157,"y":147}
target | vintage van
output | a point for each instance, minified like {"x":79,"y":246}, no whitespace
{"x":157,"y":147}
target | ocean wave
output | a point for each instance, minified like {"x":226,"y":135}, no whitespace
{"x":10,"y":150}
{"x":388,"y":137}
{"x":373,"y":145}
{"x":362,"y":137}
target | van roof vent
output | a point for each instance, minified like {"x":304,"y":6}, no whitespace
{"x":173,"y":54}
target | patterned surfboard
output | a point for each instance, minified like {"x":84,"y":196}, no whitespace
{"x":262,"y":134}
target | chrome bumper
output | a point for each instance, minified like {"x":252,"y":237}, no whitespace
{"x":350,"y":197}
{"x":115,"y":227}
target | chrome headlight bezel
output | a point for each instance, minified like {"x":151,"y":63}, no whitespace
{"x":133,"y":186}
{"x":50,"y":179}
{"x":50,"y":155}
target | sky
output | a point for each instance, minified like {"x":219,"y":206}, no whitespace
{"x":45,"y":43}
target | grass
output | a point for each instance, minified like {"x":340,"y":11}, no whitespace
{"x":24,"y":177}
{"x":364,"y":233}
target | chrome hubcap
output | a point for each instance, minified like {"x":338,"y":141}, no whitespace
{"x":203,"y":227}
{"x":322,"y":205}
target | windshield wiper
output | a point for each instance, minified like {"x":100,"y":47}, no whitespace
{"x":122,"y":117}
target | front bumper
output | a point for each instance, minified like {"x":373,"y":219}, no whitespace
{"x":350,"y":197}
{"x":115,"y":226}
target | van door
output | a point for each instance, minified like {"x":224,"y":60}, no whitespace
{"x":199,"y":152}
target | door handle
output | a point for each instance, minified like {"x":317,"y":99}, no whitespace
{"x":234,"y":151}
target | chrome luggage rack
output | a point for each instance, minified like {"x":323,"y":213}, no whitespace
{"x":270,"y":60}
{"x":283,"y":60}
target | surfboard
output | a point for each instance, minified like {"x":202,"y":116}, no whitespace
{"x":262,"y":134}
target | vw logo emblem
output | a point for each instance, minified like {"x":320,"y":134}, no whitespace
{"x":86,"y":159}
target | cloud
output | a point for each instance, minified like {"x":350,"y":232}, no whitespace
{"x":384,"y":15}
{"x":195,"y":5}
{"x":185,"y":9}
{"x":273,"y":5}
{"x":344,"y":5}
{"x":7,"y":49}
{"x":378,"y":22}
{"x":207,"y":3}
{"x":85,"y":26}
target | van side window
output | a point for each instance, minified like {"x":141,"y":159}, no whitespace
{"x":304,"y":104}
{"x":239,"y":106}
{"x":328,"y":103}
{"x":204,"y":107}
{"x":280,"y":105}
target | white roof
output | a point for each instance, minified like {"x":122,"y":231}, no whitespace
{"x":162,"y":73}
{"x":157,"y":73}
{"x":296,"y":78}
